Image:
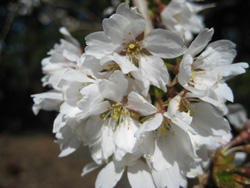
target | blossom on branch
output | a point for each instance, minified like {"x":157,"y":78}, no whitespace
{"x":147,"y":107}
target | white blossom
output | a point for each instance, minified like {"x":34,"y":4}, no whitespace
{"x":63,"y":55}
{"x":182,"y":16}
{"x":123,"y":38}
{"x":205,"y":75}
{"x":114,"y":99}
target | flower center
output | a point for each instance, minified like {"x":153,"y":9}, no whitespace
{"x":110,"y":68}
{"x":164,"y":129}
{"x":177,"y":17}
{"x":132,"y":51}
{"x":118,"y":112}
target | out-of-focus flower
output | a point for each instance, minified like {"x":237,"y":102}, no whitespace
{"x":26,"y":6}
{"x":237,"y":115}
{"x":182,"y":16}
{"x":64,"y":55}
{"x":110,"y":10}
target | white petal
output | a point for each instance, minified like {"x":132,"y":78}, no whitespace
{"x":224,"y":92}
{"x":149,"y":125}
{"x":199,"y":7}
{"x":198,"y":141}
{"x":138,"y":103}
{"x":165,"y":44}
{"x":115,"y":88}
{"x":92,"y":63}
{"x":92,"y":102}
{"x":92,"y":130}
{"x":47,"y":101}
{"x":71,"y":92}
{"x":89,"y":168}
{"x":119,"y":154}
{"x":70,"y":56}
{"x":181,"y":119}
{"x":155,"y":71}
{"x":183,"y":181}
{"x":69,"y":143}
{"x":237,"y":115}
{"x":124,"y":63}
{"x":164,"y":153}
{"x":124,"y":136}
{"x":185,"y":151}
{"x":136,"y":19}
{"x":195,"y":23}
{"x":96,"y":153}
{"x":116,"y":28}
{"x":200,"y":42}
{"x":73,"y":75}
{"x":68,"y":36}
{"x":142,"y":82}
{"x":211,"y":122}
{"x":230,"y":70}
{"x":94,"y":110}
{"x":107,"y":140}
{"x":99,"y":45}
{"x":194,"y":172}
{"x":201,"y":82}
{"x":185,"y":70}
{"x":169,"y":177}
{"x":59,"y":122}
{"x":139,"y":176}
{"x":70,"y":111}
{"x":109,"y":176}
{"x":218,"y":53}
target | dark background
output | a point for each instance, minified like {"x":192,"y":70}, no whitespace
{"x":25,"y":40}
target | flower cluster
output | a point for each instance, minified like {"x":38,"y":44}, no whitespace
{"x":146,"y":106}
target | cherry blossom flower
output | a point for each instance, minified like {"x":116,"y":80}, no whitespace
{"x":64,"y":55}
{"x":182,"y":16}
{"x":205,"y":75}
{"x":123,"y":38}
{"x":178,"y":135}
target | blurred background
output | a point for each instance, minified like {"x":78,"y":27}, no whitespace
{"x":28,"y":30}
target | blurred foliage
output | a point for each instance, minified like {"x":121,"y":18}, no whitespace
{"x":29,"y":36}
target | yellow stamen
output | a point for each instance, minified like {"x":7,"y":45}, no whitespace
{"x":131,"y":46}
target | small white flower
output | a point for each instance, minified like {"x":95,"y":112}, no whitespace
{"x":205,"y":75}
{"x":178,"y":135}
{"x":120,"y":110}
{"x":64,"y":55}
{"x":124,"y":35}
{"x":165,"y":144}
{"x":182,"y":16}
{"x":65,"y":135}
{"x":123,"y":38}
